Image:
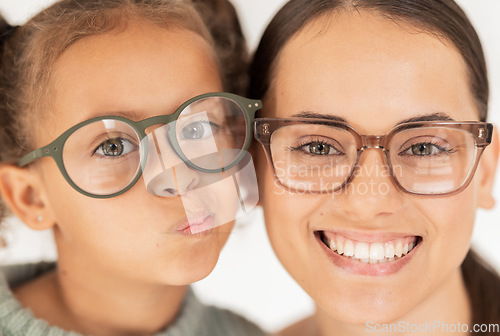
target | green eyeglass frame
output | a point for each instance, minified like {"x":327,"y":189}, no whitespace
{"x":55,"y":148}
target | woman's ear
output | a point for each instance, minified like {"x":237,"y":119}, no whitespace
{"x":22,"y":192}
{"x":487,"y":169}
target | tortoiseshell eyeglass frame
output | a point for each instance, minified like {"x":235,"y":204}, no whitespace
{"x":481,"y":131}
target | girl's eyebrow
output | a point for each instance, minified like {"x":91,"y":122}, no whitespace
{"x":132,"y":115}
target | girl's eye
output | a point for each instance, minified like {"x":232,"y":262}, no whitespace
{"x":196,"y":130}
{"x":115,"y":147}
{"x":320,"y":148}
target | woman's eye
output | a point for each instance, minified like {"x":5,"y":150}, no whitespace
{"x":320,"y":148}
{"x":115,"y":147}
{"x":424,"y":149}
{"x":197,"y":130}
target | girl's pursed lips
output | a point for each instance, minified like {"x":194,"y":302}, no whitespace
{"x":196,"y":222}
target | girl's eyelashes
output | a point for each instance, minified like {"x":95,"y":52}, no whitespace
{"x":197,"y":130}
{"x":115,"y":147}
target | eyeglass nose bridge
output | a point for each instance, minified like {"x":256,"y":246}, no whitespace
{"x":149,"y":125}
{"x":152,"y":128}
{"x":372,"y":141}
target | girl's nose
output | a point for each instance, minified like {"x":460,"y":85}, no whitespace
{"x":164,"y":173}
{"x":174,"y":181}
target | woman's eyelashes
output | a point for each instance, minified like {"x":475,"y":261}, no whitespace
{"x":319,"y":147}
{"x":418,"y":148}
{"x":427,"y":149}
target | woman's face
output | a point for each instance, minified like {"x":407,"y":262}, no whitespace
{"x":140,"y":72}
{"x":375,"y":74}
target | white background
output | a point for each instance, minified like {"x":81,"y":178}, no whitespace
{"x":248,"y":278}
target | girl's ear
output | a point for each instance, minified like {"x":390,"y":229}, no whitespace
{"x":487,"y":169}
{"x":21,"y":191}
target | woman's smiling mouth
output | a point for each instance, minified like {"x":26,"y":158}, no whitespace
{"x":369,"y":256}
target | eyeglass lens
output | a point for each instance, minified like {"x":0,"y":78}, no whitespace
{"x":104,"y":157}
{"x":319,"y":158}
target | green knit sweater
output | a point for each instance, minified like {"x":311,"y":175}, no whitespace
{"x":194,"y":319}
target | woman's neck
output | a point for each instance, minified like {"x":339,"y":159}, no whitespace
{"x":89,"y":301}
{"x":442,"y":311}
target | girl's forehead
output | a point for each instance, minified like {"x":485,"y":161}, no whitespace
{"x":146,"y":71}
{"x":364,"y":67}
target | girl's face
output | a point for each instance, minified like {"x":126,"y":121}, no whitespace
{"x":374,"y":74}
{"x":140,"y":72}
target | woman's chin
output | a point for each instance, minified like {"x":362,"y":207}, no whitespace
{"x":362,"y":312}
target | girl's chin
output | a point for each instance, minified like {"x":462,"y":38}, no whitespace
{"x":185,"y":278}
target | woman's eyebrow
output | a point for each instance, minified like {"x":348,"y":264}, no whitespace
{"x":428,"y":117}
{"x":314,"y":115}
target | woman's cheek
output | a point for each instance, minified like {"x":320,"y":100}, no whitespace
{"x":451,"y":224}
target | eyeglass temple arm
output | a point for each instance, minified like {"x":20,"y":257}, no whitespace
{"x":485,"y":134}
{"x":36,"y":154}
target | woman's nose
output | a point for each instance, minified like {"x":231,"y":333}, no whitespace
{"x":371,"y":193}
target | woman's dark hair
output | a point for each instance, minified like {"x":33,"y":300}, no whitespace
{"x":483,"y":286}
{"x":442,"y":18}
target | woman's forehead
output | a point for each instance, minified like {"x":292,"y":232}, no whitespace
{"x":361,"y":64}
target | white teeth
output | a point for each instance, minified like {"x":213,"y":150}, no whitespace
{"x":377,"y":251}
{"x":371,"y":253}
{"x":362,"y":251}
{"x":389,"y":250}
{"x":340,"y":246}
{"x":333,"y":246}
{"x":349,"y":248}
{"x":399,"y":249}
